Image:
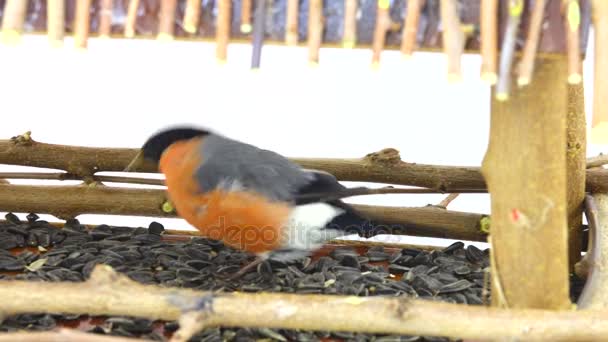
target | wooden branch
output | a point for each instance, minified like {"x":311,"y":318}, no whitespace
{"x":453,"y":38}
{"x":192,"y":16}
{"x":526,"y":65}
{"x":529,"y":197}
{"x":599,"y":123}
{"x":223,"y":30}
{"x":105,"y":18}
{"x":315,"y":30}
{"x":386,"y":315}
{"x":166,"y":22}
{"x":81,"y":24}
{"x":110,"y":179}
{"x":55,"y":14}
{"x":71,"y":201}
{"x":349,"y":37}
{"x":64,"y":335}
{"x":503,"y":84}
{"x":246,"y":16}
{"x":410,"y":29}
{"x":594,"y":295}
{"x":384,"y":166}
{"x":572,"y":21}
{"x":489,"y":40}
{"x":597,"y":161}
{"x":383,"y":21}
{"x":131,"y":18}
{"x":13,"y":19}
{"x":576,"y":151}
{"x":291,"y":26}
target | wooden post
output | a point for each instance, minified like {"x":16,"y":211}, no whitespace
{"x":576,"y":153}
{"x":222,"y":36}
{"x":291,"y":30}
{"x":599,"y":123}
{"x":349,"y":38}
{"x":525,"y":169}
{"x":315,"y":30}
{"x":55,"y":22}
{"x":13,"y":19}
{"x":81,"y":24}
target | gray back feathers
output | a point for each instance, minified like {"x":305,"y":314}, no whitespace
{"x":234,"y":165}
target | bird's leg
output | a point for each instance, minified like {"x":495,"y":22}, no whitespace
{"x":247,"y":268}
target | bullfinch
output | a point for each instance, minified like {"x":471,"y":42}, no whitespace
{"x":247,"y":197}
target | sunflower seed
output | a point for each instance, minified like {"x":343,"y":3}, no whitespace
{"x":458,"y":286}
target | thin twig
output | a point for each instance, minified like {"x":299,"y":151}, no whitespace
{"x":192,"y":16}
{"x":166,"y":21}
{"x":55,"y":14}
{"x":447,"y":200}
{"x":105,"y":18}
{"x":382,"y":24}
{"x":13,"y":19}
{"x":315,"y":30}
{"x":410,"y":29}
{"x":131,"y":18}
{"x":489,"y":40}
{"x":64,"y":335}
{"x":246,"y":16}
{"x":349,"y":38}
{"x":291,"y":26}
{"x":526,"y":66}
{"x":385,"y":315}
{"x":223,"y":30}
{"x":572,"y":23}
{"x":507,"y":52}
{"x":68,"y":176}
{"x":81,"y":24}
{"x":452,"y":38}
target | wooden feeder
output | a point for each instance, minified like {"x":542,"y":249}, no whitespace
{"x":535,"y":171}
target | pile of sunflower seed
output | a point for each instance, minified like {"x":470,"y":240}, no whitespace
{"x":454,"y":274}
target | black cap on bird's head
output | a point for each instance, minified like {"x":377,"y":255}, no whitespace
{"x":154,"y":147}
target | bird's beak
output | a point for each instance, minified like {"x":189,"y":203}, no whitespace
{"x":136,"y":162}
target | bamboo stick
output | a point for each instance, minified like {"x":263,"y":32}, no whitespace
{"x":599,"y":123}
{"x":503,"y":84}
{"x":13,"y":19}
{"x":349,"y":38}
{"x":410,"y":29}
{"x":55,"y":22}
{"x":82,"y":24}
{"x":246,"y":16}
{"x":382,"y":24}
{"x":105,"y":18}
{"x":291,"y":27}
{"x":453,"y":39}
{"x":223,"y":30}
{"x":131,"y":18}
{"x":315,"y":30}
{"x":192,"y":16}
{"x":526,"y":66}
{"x":489,"y":40}
{"x":166,"y":23}
{"x":572,"y":22}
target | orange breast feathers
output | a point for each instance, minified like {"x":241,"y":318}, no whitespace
{"x":240,"y":219}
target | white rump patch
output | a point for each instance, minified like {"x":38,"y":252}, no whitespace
{"x":305,"y":229}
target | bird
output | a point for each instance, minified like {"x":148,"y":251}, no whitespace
{"x":251,"y":199}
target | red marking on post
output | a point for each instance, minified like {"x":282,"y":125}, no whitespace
{"x":515,"y":215}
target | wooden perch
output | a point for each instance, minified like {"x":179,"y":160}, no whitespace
{"x":55,"y":14}
{"x":526,"y":65}
{"x":384,"y":166}
{"x":507,"y":52}
{"x":222,"y":35}
{"x":70,"y":201}
{"x":452,"y":38}
{"x":291,"y":26}
{"x":315,"y":30}
{"x":192,"y":16}
{"x":489,"y":40}
{"x":599,"y":124}
{"x":396,"y":315}
{"x":349,"y":37}
{"x":64,"y":335}
{"x":572,"y":22}
{"x":594,"y":295}
{"x":105,"y":18}
{"x":529,"y":197}
{"x":410,"y":29}
{"x":246,"y":16}
{"x":597,"y":161}
{"x":383,"y":21}
{"x":13,"y":18}
{"x":131,"y":18}
{"x":110,"y":179}
{"x":166,"y":22}
{"x":81,"y":24}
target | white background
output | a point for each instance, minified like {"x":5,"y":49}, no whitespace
{"x":119,"y":92}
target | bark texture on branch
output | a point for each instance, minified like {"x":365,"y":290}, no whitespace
{"x":525,"y":167}
{"x":384,"y":166}
{"x":398,"y":315}
{"x":71,"y":201}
